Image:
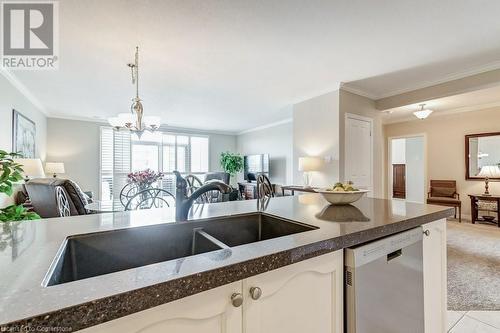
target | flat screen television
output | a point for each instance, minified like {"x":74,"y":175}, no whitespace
{"x":255,"y":164}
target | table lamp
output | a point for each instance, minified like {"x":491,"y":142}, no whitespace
{"x":54,"y":168}
{"x":487,"y":172}
{"x":32,"y":167}
{"x":308,"y":165}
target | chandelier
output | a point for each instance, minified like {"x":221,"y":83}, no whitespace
{"x":135,"y":121}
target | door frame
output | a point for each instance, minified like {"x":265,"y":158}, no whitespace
{"x":389,"y":162}
{"x":348,"y":116}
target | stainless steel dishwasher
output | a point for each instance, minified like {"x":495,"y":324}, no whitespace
{"x":384,"y":285}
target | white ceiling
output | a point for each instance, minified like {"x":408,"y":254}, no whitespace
{"x":231,"y":65}
{"x":471,"y":101}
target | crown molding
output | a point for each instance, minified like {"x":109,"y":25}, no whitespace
{"x":14,"y":81}
{"x":411,"y":117}
{"x":259,"y":128}
{"x":357,"y":91}
{"x":455,"y":76}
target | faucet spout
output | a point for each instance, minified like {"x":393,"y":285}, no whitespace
{"x":183,"y":202}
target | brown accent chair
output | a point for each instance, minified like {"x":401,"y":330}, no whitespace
{"x":444,"y":193}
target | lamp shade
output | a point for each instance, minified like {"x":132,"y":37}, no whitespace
{"x":489,"y":171}
{"x":32,"y":167}
{"x":307,"y":164}
{"x":54,"y":167}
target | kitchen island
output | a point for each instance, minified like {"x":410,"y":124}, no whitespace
{"x":209,"y":291}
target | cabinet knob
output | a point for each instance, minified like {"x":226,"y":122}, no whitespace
{"x":237,"y":299}
{"x":427,"y":232}
{"x":255,"y":293}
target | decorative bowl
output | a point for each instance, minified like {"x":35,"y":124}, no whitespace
{"x":341,"y":197}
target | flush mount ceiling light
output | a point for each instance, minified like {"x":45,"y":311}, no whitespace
{"x":422,"y":113}
{"x":134,"y":120}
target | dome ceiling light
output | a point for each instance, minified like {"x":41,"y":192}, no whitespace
{"x":422,"y":113}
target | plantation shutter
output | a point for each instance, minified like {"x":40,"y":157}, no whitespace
{"x":115,"y":162}
{"x":122,"y":161}
{"x":106,"y":171}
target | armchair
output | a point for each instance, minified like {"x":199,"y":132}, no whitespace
{"x":444,"y":193}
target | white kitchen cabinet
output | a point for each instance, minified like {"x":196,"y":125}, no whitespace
{"x":303,"y":297}
{"x":208,"y":312}
{"x":435,"y":293}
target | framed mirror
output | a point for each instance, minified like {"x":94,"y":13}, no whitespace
{"x":482,"y":156}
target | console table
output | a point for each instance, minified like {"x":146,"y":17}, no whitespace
{"x":293,"y":188}
{"x":474,"y":198}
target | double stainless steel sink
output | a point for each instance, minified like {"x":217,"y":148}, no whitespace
{"x":90,"y":255}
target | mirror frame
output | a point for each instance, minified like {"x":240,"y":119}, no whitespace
{"x":467,"y":138}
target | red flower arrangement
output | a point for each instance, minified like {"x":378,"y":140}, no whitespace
{"x":144,"y":178}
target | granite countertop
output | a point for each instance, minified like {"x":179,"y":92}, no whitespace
{"x":27,"y":249}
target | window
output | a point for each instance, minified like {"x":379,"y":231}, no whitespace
{"x":122,"y":152}
{"x":144,"y":157}
{"x":199,"y":154}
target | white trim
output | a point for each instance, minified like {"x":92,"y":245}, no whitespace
{"x":441,"y":113}
{"x":357,"y":91}
{"x":348,"y":116}
{"x":14,"y":81}
{"x":259,"y":128}
{"x":425,"y":84}
{"x":389,"y":162}
{"x":455,"y":76}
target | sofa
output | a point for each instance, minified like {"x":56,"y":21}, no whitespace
{"x":54,"y":197}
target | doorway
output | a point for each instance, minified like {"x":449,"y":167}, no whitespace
{"x":407,"y":168}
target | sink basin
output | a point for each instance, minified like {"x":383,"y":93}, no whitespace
{"x":94,"y":254}
{"x":252,"y":228}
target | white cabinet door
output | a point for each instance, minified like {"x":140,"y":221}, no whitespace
{"x":434,"y":251}
{"x":208,"y":312}
{"x":303,"y":297}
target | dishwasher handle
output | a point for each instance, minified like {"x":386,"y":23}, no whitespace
{"x":394,"y":255}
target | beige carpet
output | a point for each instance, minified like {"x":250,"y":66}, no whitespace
{"x":473,"y":267}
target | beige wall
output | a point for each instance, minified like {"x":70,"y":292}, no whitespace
{"x":446,"y":146}
{"x":359,"y":105}
{"x":11,"y":98}
{"x":316,"y":133}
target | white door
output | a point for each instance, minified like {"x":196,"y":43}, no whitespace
{"x":303,"y":297}
{"x":415,"y":169}
{"x":208,"y":312}
{"x":358,"y":152}
{"x":435,"y":293}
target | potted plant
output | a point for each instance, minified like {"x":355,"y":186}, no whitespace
{"x":11,"y":173}
{"x":231,"y":163}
